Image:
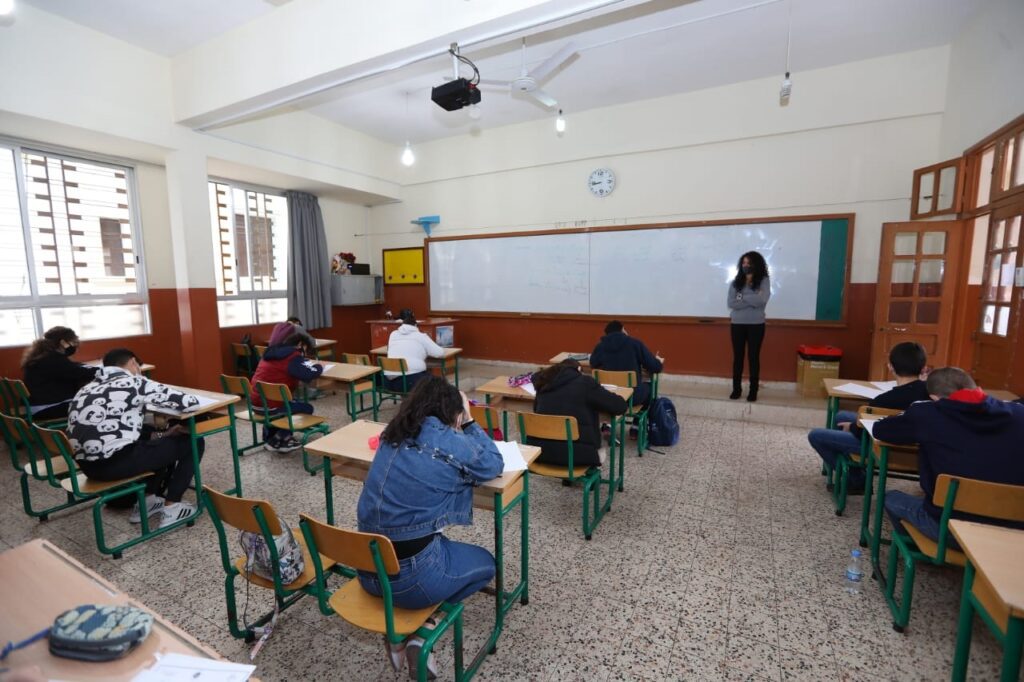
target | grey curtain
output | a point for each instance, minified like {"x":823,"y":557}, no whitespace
{"x":309,"y":264}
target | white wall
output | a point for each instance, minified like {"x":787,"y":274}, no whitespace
{"x":985,"y":75}
{"x":848,"y":142}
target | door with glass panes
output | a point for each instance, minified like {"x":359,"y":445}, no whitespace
{"x":917,"y":274}
{"x":1002,"y":291}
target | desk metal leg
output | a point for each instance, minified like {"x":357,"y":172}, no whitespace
{"x":1012,"y":645}
{"x":869,"y":489}
{"x":329,"y":490}
{"x":876,"y":531}
{"x":830,"y":412}
{"x":961,"y":655}
{"x":622,"y":454}
{"x":456,"y":371}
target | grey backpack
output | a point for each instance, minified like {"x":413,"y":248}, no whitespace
{"x":257,"y":555}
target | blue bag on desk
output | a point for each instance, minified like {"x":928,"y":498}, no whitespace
{"x":662,"y":425}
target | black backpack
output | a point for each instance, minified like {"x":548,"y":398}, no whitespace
{"x":662,"y":424}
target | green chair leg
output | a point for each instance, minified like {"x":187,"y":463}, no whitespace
{"x":43,"y":514}
{"x":900,"y":609}
{"x":964,"y":627}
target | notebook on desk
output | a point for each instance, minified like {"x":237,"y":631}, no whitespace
{"x":579,"y":356}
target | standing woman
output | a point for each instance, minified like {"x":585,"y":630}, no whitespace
{"x":749,"y":292}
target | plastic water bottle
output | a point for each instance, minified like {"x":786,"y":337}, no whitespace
{"x":854,"y":573}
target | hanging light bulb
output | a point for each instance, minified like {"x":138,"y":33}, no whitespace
{"x":408,"y":158}
{"x":474,"y":111}
{"x":787,"y":83}
{"x":560,"y":123}
{"x":785,"y":90}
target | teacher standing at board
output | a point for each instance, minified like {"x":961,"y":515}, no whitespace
{"x":749,"y":292}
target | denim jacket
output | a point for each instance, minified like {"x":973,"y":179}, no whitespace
{"x":423,"y":485}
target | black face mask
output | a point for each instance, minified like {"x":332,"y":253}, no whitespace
{"x":70,"y":350}
{"x":746,"y":269}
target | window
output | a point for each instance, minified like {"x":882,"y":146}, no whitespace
{"x":250,"y":236}
{"x":71,"y":254}
{"x":937,"y":189}
{"x":1001,"y":263}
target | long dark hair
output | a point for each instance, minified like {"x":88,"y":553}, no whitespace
{"x":431,"y":397}
{"x":543,"y":378}
{"x":50,"y":343}
{"x":758,"y":268}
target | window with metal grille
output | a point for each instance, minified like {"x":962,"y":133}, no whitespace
{"x":71,"y":253}
{"x":250,"y":237}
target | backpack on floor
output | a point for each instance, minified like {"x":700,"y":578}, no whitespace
{"x":662,"y":425}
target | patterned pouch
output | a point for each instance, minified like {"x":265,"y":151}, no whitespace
{"x":99,"y":633}
{"x":520,"y":379}
{"x":257,"y":555}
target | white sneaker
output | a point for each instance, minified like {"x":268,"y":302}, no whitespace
{"x":153,"y":505}
{"x":176,"y":511}
{"x":413,"y":645}
{"x":284,"y":446}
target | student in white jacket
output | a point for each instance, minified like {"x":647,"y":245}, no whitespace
{"x":409,"y":343}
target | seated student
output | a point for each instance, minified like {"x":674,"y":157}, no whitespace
{"x":619,"y":352}
{"x":52,"y":379}
{"x":294,"y":320}
{"x":431,"y":455}
{"x":906,"y":361}
{"x":563,"y":390}
{"x":412,"y":345}
{"x":960,"y":432}
{"x":106,"y":432}
{"x":285,"y":362}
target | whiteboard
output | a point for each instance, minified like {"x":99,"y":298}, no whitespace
{"x":665,"y":271}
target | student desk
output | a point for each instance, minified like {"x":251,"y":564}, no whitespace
{"x":351,"y":454}
{"x":434,"y":327}
{"x":352,"y":375}
{"x":565,"y":355}
{"x":98,"y":362}
{"x":325,"y":348}
{"x":994,"y":587}
{"x":41,"y":582}
{"x":834,"y":396}
{"x":499,"y":387}
{"x":450,"y":354}
{"x":216,"y":424}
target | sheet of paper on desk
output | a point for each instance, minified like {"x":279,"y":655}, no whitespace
{"x":885,"y":385}
{"x":328,"y":365}
{"x":858,"y":389}
{"x":528,"y":387}
{"x":869,"y":425}
{"x":203,"y":402}
{"x":174,"y":667}
{"x":512,"y":455}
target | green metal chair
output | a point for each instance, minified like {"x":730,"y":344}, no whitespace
{"x":635,"y":415}
{"x":487,"y":417}
{"x":376,"y":554}
{"x":84,"y":489}
{"x":16,"y":396}
{"x":241,"y":387}
{"x":909,"y":545}
{"x":362,"y":389}
{"x":20,"y":436}
{"x":245,"y":359}
{"x":840,"y":477}
{"x":306,"y":425}
{"x":392,"y":365}
{"x":565,"y":428}
{"x":256,"y":516}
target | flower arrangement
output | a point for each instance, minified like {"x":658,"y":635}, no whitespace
{"x":341,"y":263}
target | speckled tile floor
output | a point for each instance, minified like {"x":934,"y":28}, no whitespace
{"x":722,"y":560}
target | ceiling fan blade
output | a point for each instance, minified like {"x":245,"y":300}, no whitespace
{"x":495,"y":83}
{"x":548,"y":66}
{"x":544,"y":98}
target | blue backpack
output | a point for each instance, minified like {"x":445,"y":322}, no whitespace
{"x":662,"y":425}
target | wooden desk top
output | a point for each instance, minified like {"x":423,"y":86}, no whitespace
{"x":40,"y":582}
{"x":448,"y":352}
{"x":350,"y":445}
{"x":499,"y":386}
{"x":1002,"y":395}
{"x":324,"y":343}
{"x":998,"y":554}
{"x":222,"y":400}
{"x":340,"y":371}
{"x":98,"y":362}
{"x":831,"y":383}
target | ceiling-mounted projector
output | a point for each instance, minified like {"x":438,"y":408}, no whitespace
{"x":455,"y":94}
{"x":458,"y":92}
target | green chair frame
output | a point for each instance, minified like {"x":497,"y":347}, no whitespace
{"x":591,"y":477}
{"x":55,"y":443}
{"x":1009,"y":635}
{"x":839,"y":479}
{"x":992,"y":500}
{"x":282,"y":394}
{"x":634,"y":416}
{"x":487,"y":417}
{"x":392,"y":365}
{"x":19,"y":434}
{"x":16,"y":394}
{"x":241,"y":386}
{"x":369,"y":388}
{"x":382,"y":560}
{"x":263,"y":520}
{"x":246,"y":359}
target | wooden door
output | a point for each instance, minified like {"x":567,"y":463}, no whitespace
{"x":917,"y":277}
{"x":1002,"y":292}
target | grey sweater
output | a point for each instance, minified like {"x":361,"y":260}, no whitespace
{"x":747,"y":306}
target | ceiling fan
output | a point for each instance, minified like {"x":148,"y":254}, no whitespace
{"x":528,"y":81}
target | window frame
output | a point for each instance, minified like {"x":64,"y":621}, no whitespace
{"x":38,"y":302}
{"x":936,"y":170}
{"x":253,"y":295}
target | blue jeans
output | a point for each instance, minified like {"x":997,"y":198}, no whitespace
{"x":831,"y":444}
{"x":443,"y":571}
{"x":298,"y":407}
{"x":902,"y":506}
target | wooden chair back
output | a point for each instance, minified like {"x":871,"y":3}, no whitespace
{"x":16,"y":431}
{"x":486,"y":417}
{"x":260,"y":350}
{"x":241,"y":350}
{"x":239,"y":386}
{"x":18,"y":395}
{"x":548,"y":426}
{"x":7,"y":402}
{"x":237,"y":512}
{"x":355,"y":359}
{"x":984,"y":498}
{"x":605,"y":376}
{"x":56,"y":445}
{"x":273,"y":392}
{"x":868,"y":410}
{"x":350,"y":548}
{"x":393,"y":364}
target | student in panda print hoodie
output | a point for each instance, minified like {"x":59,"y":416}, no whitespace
{"x":105,"y":431}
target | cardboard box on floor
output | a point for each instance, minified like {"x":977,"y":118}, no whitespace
{"x":809,"y":375}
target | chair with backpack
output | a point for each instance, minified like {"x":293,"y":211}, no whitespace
{"x":636,"y":415}
{"x":273,"y":558}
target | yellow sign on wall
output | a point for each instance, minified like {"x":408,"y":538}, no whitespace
{"x":403,"y":266}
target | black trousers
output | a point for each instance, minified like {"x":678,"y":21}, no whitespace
{"x":748,"y":337}
{"x":170,"y":457}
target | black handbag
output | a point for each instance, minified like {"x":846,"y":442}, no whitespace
{"x":99,"y":633}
